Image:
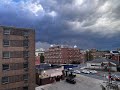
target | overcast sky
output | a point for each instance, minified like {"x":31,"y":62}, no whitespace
{"x":85,"y":23}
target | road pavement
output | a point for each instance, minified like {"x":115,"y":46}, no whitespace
{"x":83,"y":83}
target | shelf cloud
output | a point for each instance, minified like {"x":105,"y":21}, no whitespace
{"x":85,"y":23}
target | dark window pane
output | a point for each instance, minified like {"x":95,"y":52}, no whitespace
{"x":26,"y":54}
{"x":25,"y":88}
{"x":6,"y":54}
{"x":25,"y":65}
{"x":26,"y":33}
{"x":6,"y":42}
{"x":25,"y":77}
{"x":6,"y":32}
{"x":5,"y":79}
{"x":25,"y":43}
{"x":5,"y":66}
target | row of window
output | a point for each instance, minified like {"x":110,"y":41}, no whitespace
{"x":15,"y":32}
{"x":13,"y":79}
{"x":16,"y":43}
{"x":15,"y":54}
{"x":14,"y":66}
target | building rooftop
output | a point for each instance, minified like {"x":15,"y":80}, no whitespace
{"x":100,"y":60}
{"x":12,"y":27}
{"x":40,"y":50}
{"x":47,"y":66}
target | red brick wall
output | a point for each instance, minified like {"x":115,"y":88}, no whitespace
{"x":63,"y":55}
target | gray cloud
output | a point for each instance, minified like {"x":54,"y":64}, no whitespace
{"x":85,"y":23}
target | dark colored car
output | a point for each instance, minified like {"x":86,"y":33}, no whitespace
{"x":72,"y":81}
{"x":72,"y":75}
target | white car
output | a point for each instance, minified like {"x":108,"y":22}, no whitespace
{"x":70,"y":68}
{"x":93,"y":71}
{"x":77,"y":71}
{"x":82,"y":67}
{"x":85,"y":71}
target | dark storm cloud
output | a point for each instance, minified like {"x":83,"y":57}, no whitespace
{"x":85,"y":23}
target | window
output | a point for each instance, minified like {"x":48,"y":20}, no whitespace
{"x":25,"y":65}
{"x":25,"y":43}
{"x":6,"y":42}
{"x":25,"y":88}
{"x":26,"y":53}
{"x":5,"y":80}
{"x":26,"y":33}
{"x":25,"y":77}
{"x":6,"y":54}
{"x":7,"y":32}
{"x":5,"y":67}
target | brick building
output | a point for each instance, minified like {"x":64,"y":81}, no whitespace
{"x":38,"y":53}
{"x":116,"y":58}
{"x":98,"y":54}
{"x":63,"y":55}
{"x":17,"y":58}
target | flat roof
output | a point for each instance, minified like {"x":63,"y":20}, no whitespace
{"x":47,"y":66}
{"x":100,"y":60}
{"x":13,"y":27}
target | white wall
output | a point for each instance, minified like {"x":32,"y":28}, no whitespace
{"x":95,"y":65}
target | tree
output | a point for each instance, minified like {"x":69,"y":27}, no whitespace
{"x":89,"y":56}
{"x":42,"y":58}
{"x":75,"y":62}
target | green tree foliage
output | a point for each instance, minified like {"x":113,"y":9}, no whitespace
{"x":75,"y":62}
{"x":89,"y":56}
{"x":42,"y":58}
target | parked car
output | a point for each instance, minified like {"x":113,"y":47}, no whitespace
{"x":77,"y":71}
{"x":72,"y":75}
{"x":93,"y":71}
{"x":85,"y":71}
{"x":82,"y":67}
{"x":114,"y":77}
{"x":70,"y":68}
{"x":72,"y":81}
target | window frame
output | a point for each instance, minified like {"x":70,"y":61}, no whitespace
{"x":26,"y":33}
{"x":24,"y":65}
{"x":6,"y":31}
{"x":6,"y":45}
{"x":6,"y":69}
{"x":8,"y":54}
{"x":24,"y":43}
{"x":24,"y":77}
{"x":7,"y":81}
{"x":26,"y":53}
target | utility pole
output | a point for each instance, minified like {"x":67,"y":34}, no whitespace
{"x":118,"y":59}
{"x":109,"y":76}
{"x":109,"y":84}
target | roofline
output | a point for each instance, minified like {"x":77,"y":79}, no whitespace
{"x":13,"y":27}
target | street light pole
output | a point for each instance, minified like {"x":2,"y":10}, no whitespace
{"x":118,"y":59}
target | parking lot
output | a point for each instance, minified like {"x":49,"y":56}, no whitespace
{"x":83,"y":83}
{"x":101,"y":75}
